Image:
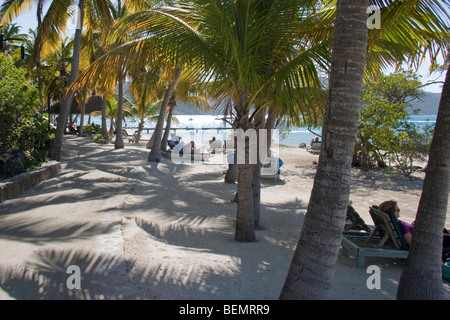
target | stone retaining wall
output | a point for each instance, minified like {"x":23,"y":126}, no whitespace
{"x":17,"y":184}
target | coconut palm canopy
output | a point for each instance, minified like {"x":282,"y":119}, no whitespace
{"x":263,"y":53}
{"x":276,"y":53}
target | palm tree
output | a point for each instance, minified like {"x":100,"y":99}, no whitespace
{"x":9,"y":10}
{"x":147,"y":91}
{"x":58,"y":63}
{"x":50,"y":28}
{"x":155,"y":153}
{"x":112,"y":113}
{"x":55,"y":69}
{"x":55,"y":152}
{"x":142,"y":113}
{"x":270,"y":58}
{"x":188,"y":91}
{"x":422,"y":275}
{"x":12,"y":31}
{"x":118,"y":12}
{"x":246,"y":46}
{"x":313,"y":265}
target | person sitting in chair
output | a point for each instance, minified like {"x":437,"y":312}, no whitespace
{"x":405,"y":227}
{"x":316,"y":140}
{"x":174,"y":141}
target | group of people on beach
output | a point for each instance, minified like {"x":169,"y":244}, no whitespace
{"x":176,"y":143}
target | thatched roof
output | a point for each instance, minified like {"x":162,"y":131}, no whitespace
{"x":94,"y":103}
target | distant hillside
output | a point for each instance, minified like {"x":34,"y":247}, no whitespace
{"x":429,"y":104}
{"x":184,"y":109}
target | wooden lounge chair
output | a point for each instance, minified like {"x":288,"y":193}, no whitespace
{"x":355,"y":222}
{"x":386,"y":239}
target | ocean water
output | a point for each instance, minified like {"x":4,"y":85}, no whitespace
{"x":203,"y":128}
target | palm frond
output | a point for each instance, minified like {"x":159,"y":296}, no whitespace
{"x":11,"y":9}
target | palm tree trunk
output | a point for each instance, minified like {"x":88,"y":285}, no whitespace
{"x":83,"y":111}
{"x":155,"y":153}
{"x":118,"y":144}
{"x":55,"y":151}
{"x":256,"y":194}
{"x":232,"y":172}
{"x":172,"y":105}
{"x":38,"y":44}
{"x":104,"y":124}
{"x":111,"y":127}
{"x":260,"y":120}
{"x":422,"y":275}
{"x":313,"y":266}
{"x":245,"y":222}
{"x":270,"y":125}
{"x":140,"y":128}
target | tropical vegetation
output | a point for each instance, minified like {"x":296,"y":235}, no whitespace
{"x":21,"y":126}
{"x":386,"y":136}
{"x":262,"y":63}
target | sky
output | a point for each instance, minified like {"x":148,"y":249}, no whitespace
{"x":28,"y":20}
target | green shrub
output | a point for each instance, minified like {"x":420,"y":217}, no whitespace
{"x":100,"y":138}
{"x":21,"y":126}
{"x":385,"y":135}
{"x":92,"y":128}
{"x":36,"y":138}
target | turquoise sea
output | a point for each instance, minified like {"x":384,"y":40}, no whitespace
{"x":201,"y":129}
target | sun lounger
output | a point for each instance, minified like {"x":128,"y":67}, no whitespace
{"x":355,"y":222}
{"x":131,"y":139}
{"x":271,"y":169}
{"x":315,"y":147}
{"x":177,"y":152}
{"x":386,"y":239}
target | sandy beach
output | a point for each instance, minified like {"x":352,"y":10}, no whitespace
{"x":141,"y":230}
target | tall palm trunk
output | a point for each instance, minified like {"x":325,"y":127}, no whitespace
{"x":104,"y":124}
{"x":38,"y":60}
{"x":270,"y":125}
{"x":55,"y":152}
{"x":155,"y":153}
{"x":422,"y":275}
{"x":140,"y":128}
{"x":83,"y":111}
{"x":232,"y":172}
{"x":172,"y":106}
{"x":313,"y":265}
{"x":245,"y":221}
{"x":256,"y":194}
{"x":260,"y":121}
{"x":118,"y":144}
